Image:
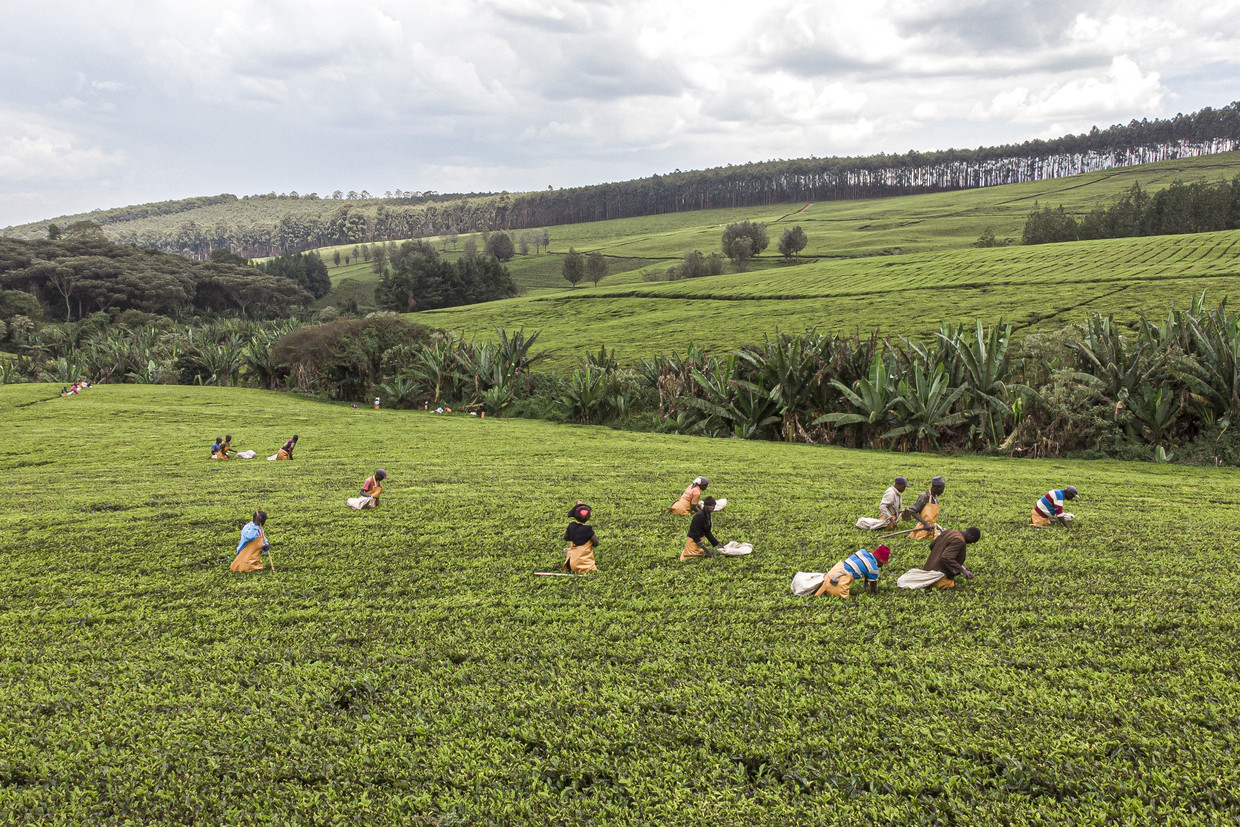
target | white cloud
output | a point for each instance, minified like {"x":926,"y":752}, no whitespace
{"x":33,"y":151}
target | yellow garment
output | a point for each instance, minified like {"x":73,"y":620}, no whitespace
{"x":945,"y":584}
{"x":250,"y":558}
{"x":687,"y":501}
{"x":692,"y":549}
{"x":220,"y":454}
{"x":842,"y":587}
{"x":283,"y":454}
{"x":580,"y":559}
{"x":929,"y":514}
{"x":1039,"y":520}
{"x":375,"y":492}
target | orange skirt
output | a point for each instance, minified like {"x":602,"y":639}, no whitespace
{"x":282,"y":454}
{"x":842,"y":588}
{"x":580,"y":559}
{"x":250,"y":558}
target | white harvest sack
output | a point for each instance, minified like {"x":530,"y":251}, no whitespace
{"x":872,"y":523}
{"x":735,"y":549}
{"x":358,"y":503}
{"x":273,"y":457}
{"x":805,"y":583}
{"x":919,"y":579}
{"x":246,"y":454}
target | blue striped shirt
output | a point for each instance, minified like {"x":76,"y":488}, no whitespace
{"x":1051,"y":504}
{"x":862,"y":565}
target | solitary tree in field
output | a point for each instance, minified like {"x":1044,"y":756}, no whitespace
{"x":743,"y":241}
{"x":596,"y":267}
{"x":500,"y":246}
{"x":574,"y":266}
{"x":792,"y":242}
{"x":470,"y":248}
{"x":336,"y":258}
{"x":544,"y":238}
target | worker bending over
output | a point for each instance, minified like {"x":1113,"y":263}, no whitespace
{"x":945,"y":563}
{"x":1049,"y":509}
{"x":862,"y":565}
{"x":688,"y":502}
{"x":700,"y":532}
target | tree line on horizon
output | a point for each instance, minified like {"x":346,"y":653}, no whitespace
{"x":270,"y":225}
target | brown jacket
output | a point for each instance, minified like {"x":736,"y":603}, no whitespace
{"x":947,"y":553}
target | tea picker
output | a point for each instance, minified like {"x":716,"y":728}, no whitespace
{"x":890,"y":509}
{"x":1049,"y":508}
{"x":579,"y":556}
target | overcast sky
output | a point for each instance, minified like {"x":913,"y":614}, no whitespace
{"x":105,"y":104}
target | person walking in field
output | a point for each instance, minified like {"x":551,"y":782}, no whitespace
{"x":1049,"y":509}
{"x":700,"y":532}
{"x":926,"y":511}
{"x":945,"y":563}
{"x":861,"y":565}
{"x":368,"y":497}
{"x":287,"y":451}
{"x":890,"y":508}
{"x":253,"y":545}
{"x":579,"y":556}
{"x":688,"y":502}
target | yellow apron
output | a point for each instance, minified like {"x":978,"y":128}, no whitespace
{"x":841,"y":588}
{"x":930,"y":514}
{"x":1039,"y":520}
{"x":283,"y":454}
{"x":580,"y":559}
{"x":250,"y":558}
{"x":692,"y":549}
{"x":686,"y":502}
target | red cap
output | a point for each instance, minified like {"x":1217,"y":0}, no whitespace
{"x":882,"y":554}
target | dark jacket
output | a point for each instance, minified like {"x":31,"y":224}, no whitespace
{"x":947,"y":553}
{"x":699,"y":527}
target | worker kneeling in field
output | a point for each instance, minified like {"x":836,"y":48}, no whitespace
{"x":945,"y":563}
{"x":700,"y":532}
{"x":926,"y":511}
{"x":579,"y":556}
{"x":286,"y":452}
{"x":688,"y":502}
{"x":889,"y":508}
{"x":1049,"y":509}
{"x":368,"y":497}
{"x":863,"y":565}
{"x":253,"y":545}
{"x":216,"y":448}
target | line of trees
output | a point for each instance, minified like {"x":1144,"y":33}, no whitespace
{"x":81,"y":272}
{"x":1199,"y":207}
{"x":269,"y":225}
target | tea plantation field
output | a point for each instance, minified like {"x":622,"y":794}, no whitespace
{"x":1047,"y":286}
{"x":402,"y":665}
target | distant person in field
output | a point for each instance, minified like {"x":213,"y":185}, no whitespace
{"x":945,"y":563}
{"x":368,"y":497}
{"x":861,"y":565}
{"x":688,"y":502}
{"x":890,"y":508}
{"x":579,"y":556}
{"x":700,"y":532}
{"x":1049,"y":509}
{"x":215,"y":447}
{"x":287,"y":451}
{"x":926,"y":510}
{"x":253,"y":545}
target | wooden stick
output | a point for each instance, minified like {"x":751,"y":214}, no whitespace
{"x":554,"y":574}
{"x":271,"y":560}
{"x":907,"y":531}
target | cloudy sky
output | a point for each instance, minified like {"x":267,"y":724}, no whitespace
{"x":124,"y":102}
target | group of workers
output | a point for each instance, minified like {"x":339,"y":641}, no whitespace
{"x":948,"y":547}
{"x":222,"y":448}
{"x":945,"y":563}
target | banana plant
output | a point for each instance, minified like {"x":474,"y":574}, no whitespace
{"x":924,"y":406}
{"x":871,"y":399}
